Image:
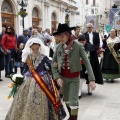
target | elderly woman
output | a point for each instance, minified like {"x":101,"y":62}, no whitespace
{"x":66,"y":68}
{"x":34,"y":32}
{"x":110,"y":66}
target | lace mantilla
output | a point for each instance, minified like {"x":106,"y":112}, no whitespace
{"x":38,"y":60}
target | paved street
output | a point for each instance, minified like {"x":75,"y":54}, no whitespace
{"x":104,"y":104}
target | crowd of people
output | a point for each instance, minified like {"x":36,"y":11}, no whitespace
{"x":66,"y":56}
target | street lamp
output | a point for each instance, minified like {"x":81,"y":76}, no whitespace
{"x":23,"y":4}
{"x":67,"y":19}
{"x":67,"y":10}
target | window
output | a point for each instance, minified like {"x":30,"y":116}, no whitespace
{"x":35,"y":13}
{"x":93,"y":2}
{"x":96,"y":11}
{"x":77,"y":13}
{"x":92,"y":11}
{"x":54,"y":17}
{"x":86,"y":2}
{"x":6,"y":7}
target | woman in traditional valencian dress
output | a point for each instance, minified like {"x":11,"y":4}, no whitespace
{"x":36,"y":98}
{"x":110,"y":66}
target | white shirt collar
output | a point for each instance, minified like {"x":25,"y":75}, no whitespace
{"x":90,"y":33}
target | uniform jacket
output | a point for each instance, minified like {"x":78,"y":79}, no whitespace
{"x":96,"y":39}
{"x":75,"y":53}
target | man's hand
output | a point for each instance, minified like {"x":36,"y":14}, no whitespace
{"x":92,"y":85}
{"x":59,"y":82}
{"x":55,"y":64}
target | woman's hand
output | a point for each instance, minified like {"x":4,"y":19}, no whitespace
{"x":59,"y":82}
{"x":92,"y":85}
{"x":8,"y":51}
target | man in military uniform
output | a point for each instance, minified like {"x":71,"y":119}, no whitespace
{"x":66,"y":68}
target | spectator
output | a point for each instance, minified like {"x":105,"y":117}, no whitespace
{"x":3,"y":32}
{"x":9,"y":44}
{"x":23,"y":38}
{"x":40,"y":34}
{"x":18,"y":59}
{"x":92,"y":37}
{"x":35,"y":32}
{"x":53,"y":45}
{"x":1,"y":54}
{"x":48,"y":37}
{"x":30,"y":31}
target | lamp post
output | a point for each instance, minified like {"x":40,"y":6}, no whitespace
{"x":67,"y":11}
{"x":23,"y":4}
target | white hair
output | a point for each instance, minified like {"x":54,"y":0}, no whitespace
{"x":90,"y":25}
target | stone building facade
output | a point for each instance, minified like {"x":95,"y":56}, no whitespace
{"x":91,"y":8}
{"x":47,"y":13}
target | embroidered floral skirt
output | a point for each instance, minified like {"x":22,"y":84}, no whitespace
{"x":30,"y":103}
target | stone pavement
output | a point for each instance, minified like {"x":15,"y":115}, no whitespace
{"x":104,"y":104}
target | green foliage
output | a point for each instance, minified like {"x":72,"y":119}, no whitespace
{"x":22,"y":13}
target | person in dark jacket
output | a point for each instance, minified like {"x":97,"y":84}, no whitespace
{"x":92,"y":37}
{"x":1,"y":54}
{"x":92,"y":55}
{"x":18,"y":58}
{"x":23,"y":38}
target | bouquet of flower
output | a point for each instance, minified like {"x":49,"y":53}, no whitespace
{"x":22,"y":13}
{"x":17,"y":80}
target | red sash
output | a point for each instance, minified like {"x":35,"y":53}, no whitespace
{"x":52,"y":97}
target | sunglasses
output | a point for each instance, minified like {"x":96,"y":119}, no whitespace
{"x":8,"y":28}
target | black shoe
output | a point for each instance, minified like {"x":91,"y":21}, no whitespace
{"x":79,"y":97}
{"x":12,"y":72}
{"x":89,"y":93}
{"x":112,"y":81}
{"x":7,"y":76}
{"x":1,"y":79}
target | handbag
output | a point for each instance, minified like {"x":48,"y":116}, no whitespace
{"x":2,"y":51}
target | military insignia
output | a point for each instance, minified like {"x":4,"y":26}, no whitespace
{"x":59,"y":53}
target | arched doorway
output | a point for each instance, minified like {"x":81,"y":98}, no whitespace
{"x":54,"y":22}
{"x":35,"y":17}
{"x":7,"y":14}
